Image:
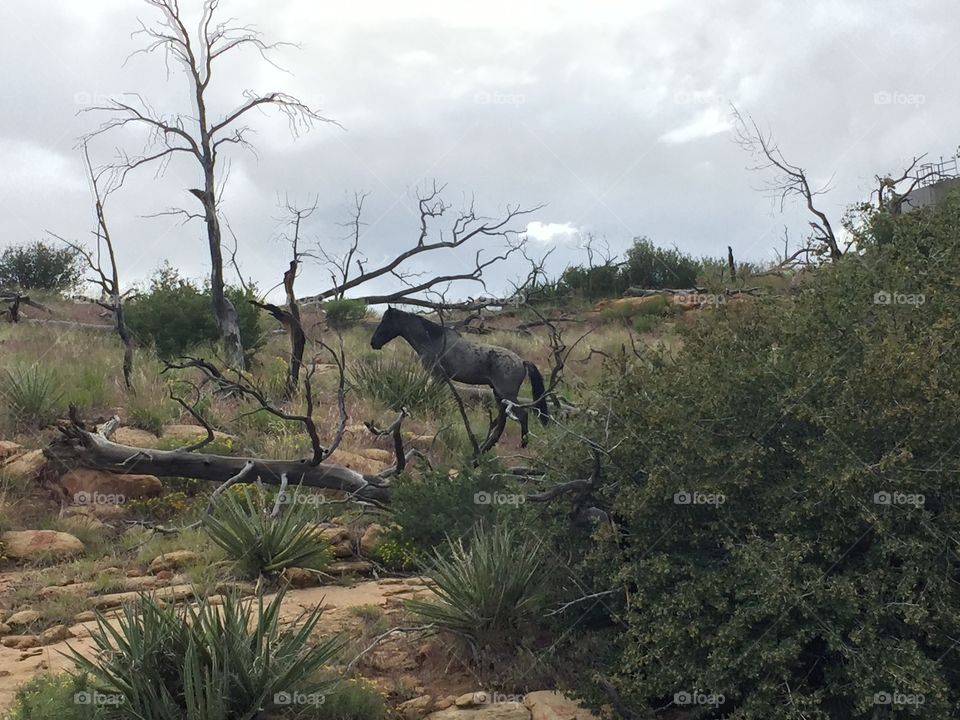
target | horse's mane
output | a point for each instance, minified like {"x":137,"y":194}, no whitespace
{"x":434,"y":330}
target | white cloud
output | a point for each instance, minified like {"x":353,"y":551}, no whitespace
{"x":709,"y":122}
{"x":552,"y":232}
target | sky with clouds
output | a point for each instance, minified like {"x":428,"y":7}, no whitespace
{"x":614,"y":115}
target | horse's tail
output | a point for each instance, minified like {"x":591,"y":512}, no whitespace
{"x":539,"y":391}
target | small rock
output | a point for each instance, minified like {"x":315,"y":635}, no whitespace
{"x":97,"y":487}
{"x":491,"y":711}
{"x":334,"y":535}
{"x":135,"y":437}
{"x":20,"y":642}
{"x":8,"y":449}
{"x":25,"y":466}
{"x":55,"y":634}
{"x":416,"y":708}
{"x":349,"y":567}
{"x":164,"y":575}
{"x":173,"y":560}
{"x":4,"y":629}
{"x":471,"y":699}
{"x":24,"y":617}
{"x":85,"y":616}
{"x":444,"y":703}
{"x":372,"y":537}
{"x":300,"y":577}
{"x":551,"y":705}
{"x":173,"y":592}
{"x":39,"y":544}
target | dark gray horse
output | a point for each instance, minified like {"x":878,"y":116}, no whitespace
{"x":445,"y":353}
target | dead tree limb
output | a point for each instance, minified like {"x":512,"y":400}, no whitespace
{"x":203,"y":135}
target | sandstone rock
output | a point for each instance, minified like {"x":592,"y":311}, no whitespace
{"x":39,"y":544}
{"x":333,"y":535}
{"x":472,"y":699}
{"x":372,"y":537}
{"x":301,"y":577}
{"x":551,"y":705}
{"x":492,"y":711}
{"x":83,"y":522}
{"x":357,"y":462}
{"x":134,"y":437}
{"x":174,"y":593}
{"x":96,"y":487}
{"x":188,"y":434}
{"x":85,"y":616}
{"x":385,"y":457}
{"x":4,"y":629}
{"x":416,"y":708}
{"x":55,"y":634}
{"x":8,"y":449}
{"x":21,"y":642}
{"x":349,"y":567}
{"x":25,"y":466}
{"x":164,"y":575}
{"x":24,"y":617}
{"x":444,"y":703}
{"x":173,"y":560}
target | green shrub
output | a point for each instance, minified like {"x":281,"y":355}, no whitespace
{"x":56,"y":697}
{"x":39,"y":266}
{"x":397,"y":383}
{"x":175,"y":316}
{"x":649,"y":266}
{"x":489,"y":592}
{"x":260,"y":543}
{"x":344,"y":313}
{"x":350,"y":700}
{"x":434,"y":506}
{"x":33,"y":395}
{"x":815,"y":572}
{"x":207,"y":662}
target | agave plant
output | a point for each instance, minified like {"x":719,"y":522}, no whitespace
{"x":33,"y":394}
{"x":262,"y":539}
{"x":206,"y":662}
{"x":489,"y":590}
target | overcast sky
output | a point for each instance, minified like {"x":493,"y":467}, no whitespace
{"x":613,"y":114}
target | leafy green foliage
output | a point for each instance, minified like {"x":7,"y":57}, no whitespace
{"x":207,"y":662}
{"x":175,"y":316}
{"x":32,"y":395}
{"x":243,"y":524}
{"x":489,"y":591}
{"x":785,"y":493}
{"x":434,"y":506}
{"x":345,"y":312}
{"x":56,"y":697}
{"x":397,"y":383}
{"x":39,"y":266}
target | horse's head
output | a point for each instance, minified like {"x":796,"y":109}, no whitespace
{"x":386,"y":331}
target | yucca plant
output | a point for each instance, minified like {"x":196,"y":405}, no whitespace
{"x":206,"y":662}
{"x":262,"y":541}
{"x":396,"y":383}
{"x":489,"y":591}
{"x":32,"y":394}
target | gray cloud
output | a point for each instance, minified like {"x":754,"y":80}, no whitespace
{"x":615,"y":115}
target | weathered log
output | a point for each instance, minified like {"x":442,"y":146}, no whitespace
{"x":77,"y":446}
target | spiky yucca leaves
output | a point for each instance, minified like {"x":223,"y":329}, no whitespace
{"x":397,"y":383}
{"x":206,"y":662}
{"x":262,"y":542}
{"x":488,"y":592}
{"x":32,"y":395}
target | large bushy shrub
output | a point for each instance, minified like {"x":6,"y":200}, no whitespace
{"x":345,"y":312}
{"x":39,"y":266}
{"x":175,"y":315}
{"x":785,"y":498}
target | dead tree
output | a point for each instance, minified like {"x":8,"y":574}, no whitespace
{"x":788,"y":181}
{"x":106,"y":278}
{"x":201,"y":137}
{"x":348,"y":271}
{"x":289,"y":316}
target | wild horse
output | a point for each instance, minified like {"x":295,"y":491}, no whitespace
{"x":445,"y":353}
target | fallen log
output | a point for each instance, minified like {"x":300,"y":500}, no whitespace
{"x":77,"y":446}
